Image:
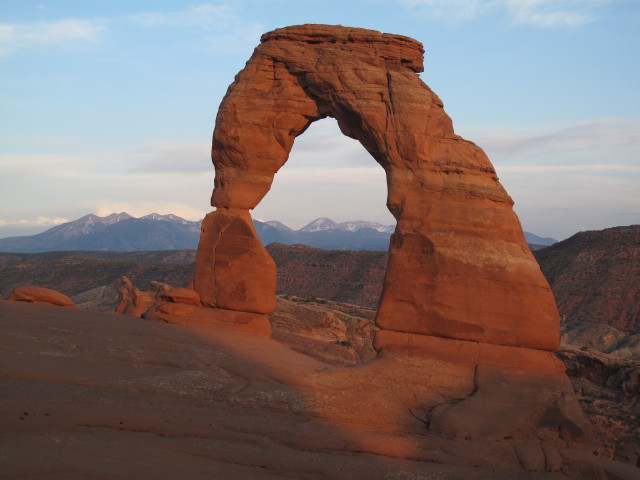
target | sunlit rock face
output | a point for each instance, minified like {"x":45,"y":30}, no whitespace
{"x":459,"y":265}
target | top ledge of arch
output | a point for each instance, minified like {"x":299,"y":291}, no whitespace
{"x":409,"y":51}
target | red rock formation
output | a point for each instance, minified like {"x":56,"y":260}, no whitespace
{"x":608,"y":388}
{"x":94,"y":395}
{"x":233,"y":270}
{"x":181,"y":295}
{"x":334,"y":333}
{"x":464,"y":303}
{"x":134,"y":301}
{"x":459,"y":265}
{"x":186,"y":314}
{"x":40,"y":295}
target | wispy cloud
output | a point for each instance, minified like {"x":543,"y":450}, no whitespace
{"x":541,"y":13}
{"x":610,"y":139}
{"x":556,"y":169}
{"x":168,"y":157}
{"x":44,"y":221}
{"x":70,"y":32}
{"x":219,"y":28}
{"x":223,"y":29}
{"x":204,"y":16}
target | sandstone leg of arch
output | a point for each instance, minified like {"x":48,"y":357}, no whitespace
{"x":459,"y":265}
{"x":233,"y":269}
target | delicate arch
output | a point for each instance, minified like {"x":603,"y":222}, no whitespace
{"x":459,"y":266}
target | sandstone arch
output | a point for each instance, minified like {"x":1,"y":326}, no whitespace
{"x":459,"y":265}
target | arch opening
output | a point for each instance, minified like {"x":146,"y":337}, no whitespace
{"x":329,"y":175}
{"x":332,"y":186}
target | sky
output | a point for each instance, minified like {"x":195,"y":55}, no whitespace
{"x":109,"y":106}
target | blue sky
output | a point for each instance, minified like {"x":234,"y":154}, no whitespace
{"x":110,"y":105}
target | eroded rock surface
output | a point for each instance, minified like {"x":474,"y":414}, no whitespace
{"x":338,"y":334}
{"x":133,"y":301}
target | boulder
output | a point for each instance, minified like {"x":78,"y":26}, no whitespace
{"x":40,"y":295}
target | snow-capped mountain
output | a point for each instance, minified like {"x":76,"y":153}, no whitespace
{"x":325,"y":233}
{"x":122,"y":232}
{"x":325,"y":223}
{"x":355,"y":225}
{"x":169,"y":218}
{"x":278,"y":226}
{"x":322,"y":223}
{"x":116,"y":232}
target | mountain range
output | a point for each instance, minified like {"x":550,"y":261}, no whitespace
{"x":122,"y":232}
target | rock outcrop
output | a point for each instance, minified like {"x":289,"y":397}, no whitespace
{"x":133,"y":301}
{"x":40,"y":295}
{"x":459,"y":265}
{"x":338,"y":334}
{"x":181,"y":295}
{"x":164,"y":303}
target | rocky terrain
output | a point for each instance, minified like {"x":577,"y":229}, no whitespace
{"x":309,"y":319}
{"x":341,"y":276}
{"x":608,"y":389}
{"x":92,"y":279}
{"x":595,"y":279}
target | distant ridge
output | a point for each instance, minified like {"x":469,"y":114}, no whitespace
{"x":118,"y":232}
{"x":122,"y":232}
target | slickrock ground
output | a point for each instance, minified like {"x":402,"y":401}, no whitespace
{"x":93,"y":395}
